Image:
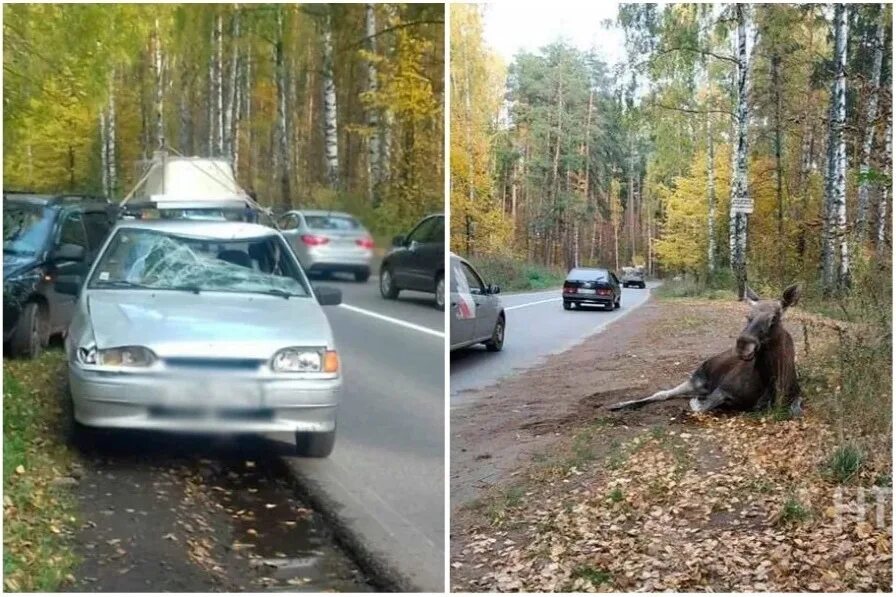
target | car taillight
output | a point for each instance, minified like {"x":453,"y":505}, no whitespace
{"x":603,"y":291}
{"x":569,"y":289}
{"x":313,"y":240}
{"x":366,"y":243}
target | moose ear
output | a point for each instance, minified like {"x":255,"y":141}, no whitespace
{"x":750,"y":296}
{"x":791,"y":296}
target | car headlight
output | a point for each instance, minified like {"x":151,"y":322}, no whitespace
{"x":121,"y":356}
{"x":305,"y":360}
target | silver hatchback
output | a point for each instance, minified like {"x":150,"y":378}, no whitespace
{"x":329,"y":241}
{"x":203,"y":327}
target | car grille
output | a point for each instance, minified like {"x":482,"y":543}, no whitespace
{"x":210,"y":363}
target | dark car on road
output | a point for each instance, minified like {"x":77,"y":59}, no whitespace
{"x":417,"y":261}
{"x":45,"y":237}
{"x":477,"y":314}
{"x":633,"y":276}
{"x":591,"y":286}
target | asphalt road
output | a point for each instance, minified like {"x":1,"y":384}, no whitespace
{"x":385,"y":478}
{"x":537,"y":326}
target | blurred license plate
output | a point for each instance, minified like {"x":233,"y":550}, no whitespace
{"x":587,"y":291}
{"x":211,"y":395}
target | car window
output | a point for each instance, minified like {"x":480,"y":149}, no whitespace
{"x":159,"y":260}
{"x":72,"y":232}
{"x":26,"y":228}
{"x":97,"y":225}
{"x":586,"y":274}
{"x":288,"y":222}
{"x":473,"y":279}
{"x":615,"y":279}
{"x":332,"y":222}
{"x":436,"y":233}
{"x":421,"y":233}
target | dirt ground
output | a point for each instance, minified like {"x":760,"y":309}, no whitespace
{"x":550,"y":491}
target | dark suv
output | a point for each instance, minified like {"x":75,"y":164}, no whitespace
{"x":417,"y":261}
{"x":591,"y":286}
{"x":45,"y":237}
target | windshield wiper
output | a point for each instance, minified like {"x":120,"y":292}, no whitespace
{"x":188,"y":288}
{"x":278,"y":292}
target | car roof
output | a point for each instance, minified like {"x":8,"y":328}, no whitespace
{"x":222,"y":230}
{"x":324,"y":212}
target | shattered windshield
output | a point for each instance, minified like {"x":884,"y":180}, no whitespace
{"x":158,"y":260}
{"x":25,"y":228}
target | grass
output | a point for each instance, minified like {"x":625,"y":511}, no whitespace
{"x":37,"y":516}
{"x":595,"y":576}
{"x":515,"y":275}
{"x":845,"y":462}
{"x":718,"y":286}
{"x":616,"y":495}
{"x":794,"y":512}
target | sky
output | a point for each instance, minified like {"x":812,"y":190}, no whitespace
{"x":511,"y":27}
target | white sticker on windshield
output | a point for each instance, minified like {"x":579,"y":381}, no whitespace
{"x":466,"y":306}
{"x":104,"y":276}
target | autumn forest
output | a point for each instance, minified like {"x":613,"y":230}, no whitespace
{"x":782,"y":110}
{"x":314,"y":105}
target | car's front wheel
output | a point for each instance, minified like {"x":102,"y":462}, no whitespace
{"x":496,"y":342}
{"x":388,"y":289}
{"x":315,"y":444}
{"x":31,"y":333}
{"x":440,"y":292}
{"x":567,"y":305}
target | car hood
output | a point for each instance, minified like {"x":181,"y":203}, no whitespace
{"x":206,"y":325}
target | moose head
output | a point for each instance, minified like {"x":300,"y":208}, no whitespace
{"x":763,"y":321}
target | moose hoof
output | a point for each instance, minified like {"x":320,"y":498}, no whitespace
{"x":698,"y":406}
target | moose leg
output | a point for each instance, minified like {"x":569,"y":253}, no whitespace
{"x":684,"y":389}
{"x":715,"y":399}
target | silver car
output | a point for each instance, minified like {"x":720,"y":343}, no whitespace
{"x":203,"y":327}
{"x":329,"y":241}
{"x":477,"y":315}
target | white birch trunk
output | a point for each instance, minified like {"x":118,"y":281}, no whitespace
{"x":111,"y":158}
{"x":331,"y":140}
{"x":104,"y":154}
{"x":219,"y":86}
{"x":247,"y":101}
{"x":282,"y":132}
{"x":212,"y":118}
{"x":373,"y":141}
{"x":739,"y":186}
{"x":885,"y":189}
{"x":870,"y":117}
{"x":839,"y":180}
{"x":237,"y":117}
{"x":157,"y":71}
{"x":232,"y":93}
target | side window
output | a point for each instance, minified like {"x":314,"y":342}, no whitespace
{"x":473,"y":279}
{"x":288,"y":222}
{"x":72,"y":232}
{"x":614,"y":278}
{"x":97,"y":225}
{"x":420,"y":234}
{"x":437,"y":231}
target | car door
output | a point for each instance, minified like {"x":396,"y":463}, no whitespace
{"x":463,"y":321}
{"x":431,"y":254}
{"x":70,"y":231}
{"x":486,"y":304}
{"x":407,"y":263}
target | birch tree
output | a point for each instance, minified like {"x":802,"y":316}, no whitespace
{"x":836,"y":238}
{"x":870,"y":121}
{"x":373,"y":139}
{"x":739,"y":191}
{"x":331,"y":139}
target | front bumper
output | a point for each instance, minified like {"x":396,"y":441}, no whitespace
{"x":200,"y":401}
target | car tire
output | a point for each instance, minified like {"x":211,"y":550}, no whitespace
{"x":31,"y":334}
{"x":439,"y":300}
{"x":388,"y":289}
{"x":618,"y":303}
{"x":497,"y":340}
{"x":567,"y":305}
{"x":643,"y":285}
{"x":315,"y":444}
{"x":362,"y":275}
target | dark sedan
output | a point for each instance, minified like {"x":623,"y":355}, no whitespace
{"x":591,"y":286}
{"x":417,"y":261}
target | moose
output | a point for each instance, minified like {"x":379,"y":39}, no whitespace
{"x":749,"y":376}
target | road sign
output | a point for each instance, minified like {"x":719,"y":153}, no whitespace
{"x":743,"y":205}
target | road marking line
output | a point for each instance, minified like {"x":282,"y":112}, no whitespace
{"x":407,"y":324}
{"x":532,"y":303}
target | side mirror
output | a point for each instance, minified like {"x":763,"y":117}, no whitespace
{"x":494,"y":289}
{"x":328,"y":296}
{"x":70,"y":285}
{"x":398,"y":241}
{"x":68,"y":253}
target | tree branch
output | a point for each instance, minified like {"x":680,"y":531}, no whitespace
{"x":364,"y":40}
{"x":697,"y":51}
{"x":688,"y":110}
